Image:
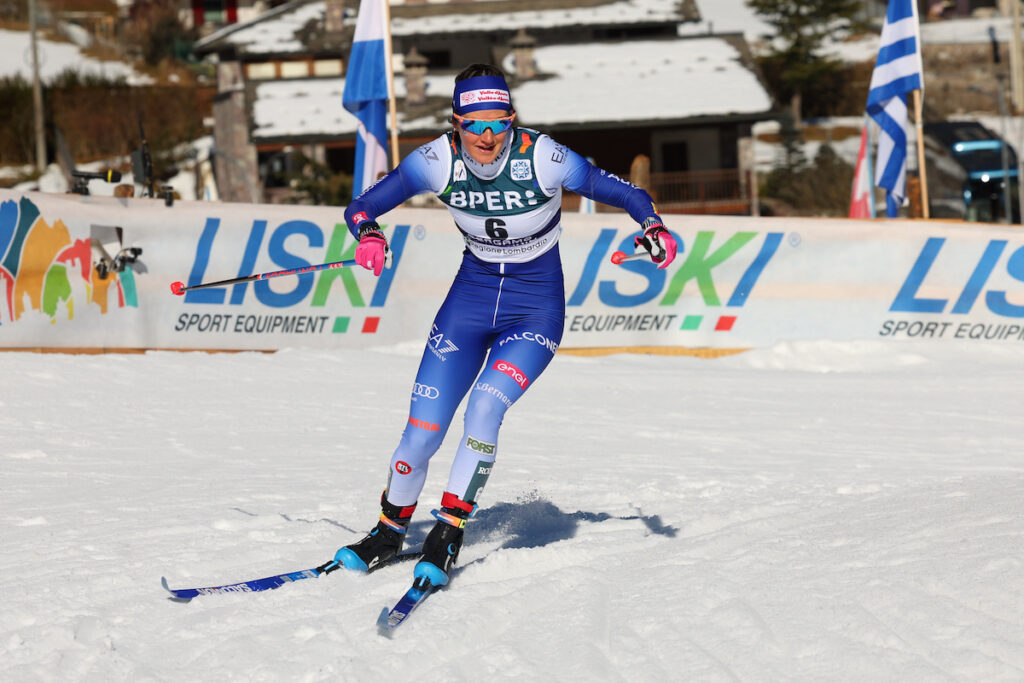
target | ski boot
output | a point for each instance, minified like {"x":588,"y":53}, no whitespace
{"x":382,"y":544}
{"x":444,"y":541}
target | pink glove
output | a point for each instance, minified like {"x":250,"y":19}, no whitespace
{"x":372,"y":250}
{"x":660,"y":243}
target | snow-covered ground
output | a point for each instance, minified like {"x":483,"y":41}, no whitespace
{"x":838,"y":133}
{"x":808,"y":512}
{"x":727,"y":16}
{"x":55,"y":57}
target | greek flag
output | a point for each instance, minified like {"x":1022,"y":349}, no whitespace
{"x":898,"y":71}
{"x":366,"y":94}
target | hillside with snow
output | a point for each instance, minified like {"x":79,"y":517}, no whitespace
{"x":56,"y":57}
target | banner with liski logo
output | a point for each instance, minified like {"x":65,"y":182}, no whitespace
{"x":95,"y":272}
{"x":741,"y":282}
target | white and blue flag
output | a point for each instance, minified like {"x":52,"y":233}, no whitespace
{"x":366,"y":93}
{"x":898,"y":71}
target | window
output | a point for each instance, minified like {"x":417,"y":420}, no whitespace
{"x":213,"y":11}
{"x":260,"y":71}
{"x":675,"y":156}
{"x":327,"y":67}
{"x":294,"y":69}
{"x":439,"y":59}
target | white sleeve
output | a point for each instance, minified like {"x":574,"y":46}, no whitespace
{"x":431,"y":165}
{"x":550,"y":164}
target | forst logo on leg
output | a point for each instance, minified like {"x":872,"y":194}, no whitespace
{"x":480,"y":446}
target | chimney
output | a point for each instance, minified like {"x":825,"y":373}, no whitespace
{"x":334,"y":16}
{"x":522,"y":55}
{"x":415,"y":77}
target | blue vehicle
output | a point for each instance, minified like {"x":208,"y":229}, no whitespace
{"x":979,"y":152}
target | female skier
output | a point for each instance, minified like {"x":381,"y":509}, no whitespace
{"x":502,"y":320}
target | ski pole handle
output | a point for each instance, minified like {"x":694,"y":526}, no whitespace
{"x":179,"y":288}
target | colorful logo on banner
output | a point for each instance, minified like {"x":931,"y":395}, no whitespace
{"x":707,"y":251}
{"x":42,"y":268}
{"x":311,"y":289}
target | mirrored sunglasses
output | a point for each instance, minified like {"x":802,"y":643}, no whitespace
{"x":477,"y":127}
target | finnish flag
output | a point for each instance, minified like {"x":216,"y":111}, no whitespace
{"x":898,"y":71}
{"x":366,"y":93}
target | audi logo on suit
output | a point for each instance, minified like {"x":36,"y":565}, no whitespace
{"x":424,"y":391}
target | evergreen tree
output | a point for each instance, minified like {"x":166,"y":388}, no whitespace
{"x":818,"y":188}
{"x":801,"y":28}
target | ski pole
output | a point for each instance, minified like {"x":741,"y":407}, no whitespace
{"x":179,"y":288}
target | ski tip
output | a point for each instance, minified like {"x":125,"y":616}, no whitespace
{"x":173,"y":597}
{"x":383,"y":628}
{"x":177,"y":287}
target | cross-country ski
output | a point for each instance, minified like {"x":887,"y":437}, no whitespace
{"x":266,"y":583}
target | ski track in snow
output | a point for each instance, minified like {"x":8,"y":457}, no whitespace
{"x":810,"y":512}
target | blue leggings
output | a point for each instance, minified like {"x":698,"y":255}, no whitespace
{"x":496,"y":331}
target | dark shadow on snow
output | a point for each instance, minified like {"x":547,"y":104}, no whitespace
{"x":536,"y":522}
{"x":529,"y":523}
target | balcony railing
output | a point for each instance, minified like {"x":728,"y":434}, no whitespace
{"x":722,"y":191}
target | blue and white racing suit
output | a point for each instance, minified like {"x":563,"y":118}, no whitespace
{"x":502,"y":320}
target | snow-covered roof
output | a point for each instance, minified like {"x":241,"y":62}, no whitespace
{"x":639,"y":80}
{"x":275,"y":31}
{"x":300,"y":107}
{"x":618,"y":13}
{"x":312,"y":107}
{"x":648,"y":80}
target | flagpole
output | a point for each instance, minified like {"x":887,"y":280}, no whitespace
{"x":869,"y":163}
{"x":920,"y":154}
{"x":393,"y":109}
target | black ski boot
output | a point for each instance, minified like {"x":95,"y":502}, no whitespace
{"x":441,"y":549}
{"x":382,"y":543}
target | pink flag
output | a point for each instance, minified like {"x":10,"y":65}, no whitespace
{"x":860,"y":197}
